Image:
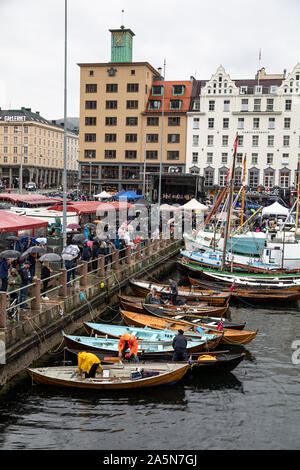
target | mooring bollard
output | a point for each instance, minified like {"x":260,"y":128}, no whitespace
{"x":128,"y":255}
{"x":63,"y":291}
{"x":84,"y":273}
{"x":36,"y":293}
{"x":115,"y":260}
{"x":101,"y":266}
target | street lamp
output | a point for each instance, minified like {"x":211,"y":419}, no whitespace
{"x":161,"y":140}
{"x":65,"y":138}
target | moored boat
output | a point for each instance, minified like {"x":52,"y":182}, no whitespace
{"x":113,"y":377}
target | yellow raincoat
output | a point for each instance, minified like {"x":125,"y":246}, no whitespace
{"x":86,"y":360}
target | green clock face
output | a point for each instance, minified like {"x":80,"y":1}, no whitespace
{"x":118,"y":40}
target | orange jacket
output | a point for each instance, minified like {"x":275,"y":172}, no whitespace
{"x":132,"y":343}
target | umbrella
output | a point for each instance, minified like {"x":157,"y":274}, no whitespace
{"x":90,"y":225}
{"x":25,"y":238}
{"x":12,"y":238}
{"x":42,"y":240}
{"x":73,"y":226}
{"x":79,"y":237}
{"x":34,"y":249}
{"x":10,"y":254}
{"x":50,"y":257}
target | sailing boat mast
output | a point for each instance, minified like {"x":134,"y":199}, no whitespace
{"x":243,"y":193}
{"x":229,"y":205}
{"x":297,"y":207}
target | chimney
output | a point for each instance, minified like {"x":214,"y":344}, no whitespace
{"x":37,"y":112}
{"x":159,"y":70}
{"x":284,"y":73}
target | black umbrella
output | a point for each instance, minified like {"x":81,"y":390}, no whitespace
{"x":10,"y":254}
{"x":34,"y":249}
{"x":79,"y":238}
{"x":50,"y":257}
{"x":12,"y":238}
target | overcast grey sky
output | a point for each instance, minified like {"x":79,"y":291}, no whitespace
{"x":195,"y":37}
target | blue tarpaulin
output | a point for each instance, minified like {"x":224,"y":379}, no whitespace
{"x":129,"y":195}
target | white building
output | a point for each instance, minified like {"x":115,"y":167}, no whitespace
{"x":265,"y":114}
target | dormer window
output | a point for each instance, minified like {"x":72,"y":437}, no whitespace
{"x":178,"y":90}
{"x":175,"y":104}
{"x":243,"y":90}
{"x":157,"y":90}
{"x":154,"y":105}
{"x":258,"y":89}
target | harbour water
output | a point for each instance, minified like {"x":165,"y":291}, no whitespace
{"x":256,"y":406}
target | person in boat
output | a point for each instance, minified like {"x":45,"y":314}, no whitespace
{"x":179,"y":345}
{"x":128,"y":341}
{"x":88,"y":363}
{"x":152,"y":298}
{"x":174,"y":291}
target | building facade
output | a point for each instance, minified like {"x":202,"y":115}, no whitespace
{"x":265,"y":114}
{"x":32,"y":150}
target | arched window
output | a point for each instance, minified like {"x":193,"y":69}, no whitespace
{"x":269,"y":178}
{"x":253,"y":177}
{"x":209,"y":176}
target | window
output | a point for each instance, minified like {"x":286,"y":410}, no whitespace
{"x":173,"y":138}
{"x":130,"y":173}
{"x":178,"y":90}
{"x":15,"y":149}
{"x":91,"y":88}
{"x":237,"y":177}
{"x":223,"y":176}
{"x":243,"y":90}
{"x":90,"y":137}
{"x":225,"y":123}
{"x":110,"y":154}
{"x":270,"y":140}
{"x":130,"y":154}
{"x":90,"y":154}
{"x":284,"y":179}
{"x":110,"y":138}
{"x":132,"y":87}
{"x":240,"y":123}
{"x":111,"y":88}
{"x":175,"y":104}
{"x":254,"y":158}
{"x":224,"y":140}
{"x":209,"y":157}
{"x":154,"y":105}
{"x":288,"y":105}
{"x":210,"y":140}
{"x":239,"y":158}
{"x":132,"y":72}
{"x":224,"y":157}
{"x":211,"y":105}
{"x":196,"y":105}
{"x":90,"y":121}
{"x":244,"y":105}
{"x":257,"y":104}
{"x":273,"y":89}
{"x":255,"y":123}
{"x":131,"y":121}
{"x":258,"y":89}
{"x":157,"y":90}
{"x":271,"y":123}
{"x":91,"y":105}
{"x":15,"y":140}
{"x":151,"y":154}
{"x":196,"y":123}
{"x":91,"y":73}
{"x":269,"y":178}
{"x":173,"y":155}
{"x":226,"y":105}
{"x":5,"y":130}
{"x":270,"y":104}
{"x":111,"y":104}
{"x":253,"y":177}
{"x":152,"y":121}
{"x":286,"y":140}
{"x":211,"y":123}
{"x":132,"y":104}
{"x":174,"y":121}
{"x":195,"y":140}
{"x":195,"y":157}
{"x":240,"y":140}
{"x":208,"y":177}
{"x":110,"y":172}
{"x":285,"y":159}
{"x":111,"y":121}
{"x":270,"y":158}
{"x":287,"y":123}
{"x":130,"y":137}
{"x":255,"y":139}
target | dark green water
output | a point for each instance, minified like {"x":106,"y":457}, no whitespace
{"x":257,"y":406}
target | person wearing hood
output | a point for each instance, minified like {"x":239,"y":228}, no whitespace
{"x":86,"y":252}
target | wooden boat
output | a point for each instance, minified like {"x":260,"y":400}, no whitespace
{"x":113,"y":377}
{"x":146,"y":349}
{"x":260,"y":295}
{"x":189,"y":315}
{"x":215,"y":362}
{"x":136,"y":304}
{"x":212,"y":297}
{"x":228,"y":336}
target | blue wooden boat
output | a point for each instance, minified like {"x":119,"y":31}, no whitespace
{"x":146,"y":349}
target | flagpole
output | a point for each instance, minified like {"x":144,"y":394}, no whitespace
{"x":65,"y":138}
{"x":229,"y":205}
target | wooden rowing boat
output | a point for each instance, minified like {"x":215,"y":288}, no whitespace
{"x":190,"y":315}
{"x":228,"y":336}
{"x":136,"y":304}
{"x":146,"y":349}
{"x":212,"y":297}
{"x":113,"y":377}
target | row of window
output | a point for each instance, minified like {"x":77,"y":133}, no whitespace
{"x":24,"y":130}
{"x":150,"y":138}
{"x":284,"y":178}
{"x":253,"y":158}
{"x":111,"y":88}
{"x":131,"y":154}
{"x":245,"y":105}
{"x":174,"y":105}
{"x":131,"y":121}
{"x":241,"y":123}
{"x":255,"y":140}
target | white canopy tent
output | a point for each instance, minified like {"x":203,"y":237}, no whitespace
{"x":275,"y":209}
{"x":103,"y":195}
{"x":193,"y":204}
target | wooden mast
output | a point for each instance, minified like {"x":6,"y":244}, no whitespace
{"x":229,"y":205}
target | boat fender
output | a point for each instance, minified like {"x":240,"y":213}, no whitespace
{"x":82,"y":296}
{"x":102,"y":285}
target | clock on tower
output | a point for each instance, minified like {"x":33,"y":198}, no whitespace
{"x":121,"y":45}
